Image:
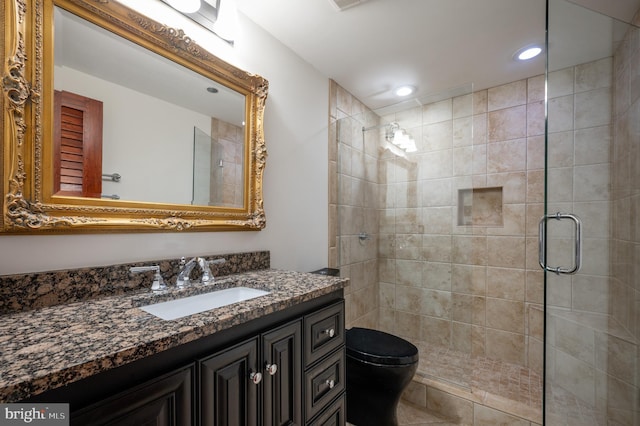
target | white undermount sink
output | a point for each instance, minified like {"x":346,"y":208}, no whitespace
{"x":184,"y":307}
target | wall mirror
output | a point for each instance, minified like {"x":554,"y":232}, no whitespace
{"x":115,"y":122}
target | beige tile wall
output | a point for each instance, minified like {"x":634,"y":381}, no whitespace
{"x":231,"y":138}
{"x":471,"y":288}
{"x":479,"y":289}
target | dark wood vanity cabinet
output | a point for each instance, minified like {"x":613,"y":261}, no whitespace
{"x":227,"y":396}
{"x":166,"y":401}
{"x":324,"y":355}
{"x":282,"y":376}
{"x":334,"y":415}
{"x":286,"y":368}
{"x":232,"y":380}
{"x":298,"y":369}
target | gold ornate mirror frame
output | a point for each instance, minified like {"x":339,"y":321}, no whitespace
{"x":27,"y":117}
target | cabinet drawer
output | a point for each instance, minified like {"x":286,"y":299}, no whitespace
{"x":323,"y":383}
{"x":323,"y":332}
{"x":333,"y":415}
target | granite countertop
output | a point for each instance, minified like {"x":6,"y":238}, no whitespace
{"x":50,"y":347}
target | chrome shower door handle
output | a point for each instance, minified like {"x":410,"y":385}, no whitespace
{"x":542,"y":231}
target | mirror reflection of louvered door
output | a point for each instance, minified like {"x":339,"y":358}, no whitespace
{"x":77,"y":145}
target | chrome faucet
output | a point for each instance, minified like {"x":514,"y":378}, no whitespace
{"x":185,"y":270}
{"x":158,"y":282}
{"x":207,"y":276}
{"x":206,"y":271}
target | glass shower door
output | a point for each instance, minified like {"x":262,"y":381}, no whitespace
{"x":590,"y":239}
{"x":207,"y":170}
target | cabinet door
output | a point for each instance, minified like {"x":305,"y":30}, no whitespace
{"x":228,"y":388}
{"x":161,"y":402}
{"x":282,"y":353}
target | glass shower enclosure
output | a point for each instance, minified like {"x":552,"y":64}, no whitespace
{"x":510,"y":237}
{"x":592,"y":203}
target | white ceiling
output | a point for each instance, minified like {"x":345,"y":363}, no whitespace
{"x":439,"y":46}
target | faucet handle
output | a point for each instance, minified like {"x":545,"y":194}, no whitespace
{"x":158,"y":282}
{"x":207,"y":276}
{"x":206,"y":271}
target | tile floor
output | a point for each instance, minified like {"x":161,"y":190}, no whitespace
{"x":508,"y":381}
{"x":502,"y":379}
{"x":409,"y":415}
{"x":413,"y":416}
{"x":470,"y":374}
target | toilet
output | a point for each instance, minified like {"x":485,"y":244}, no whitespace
{"x":379,"y":367}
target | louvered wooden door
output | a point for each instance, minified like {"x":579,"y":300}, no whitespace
{"x":77,"y":145}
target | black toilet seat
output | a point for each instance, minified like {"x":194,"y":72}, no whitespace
{"x":378,"y":347}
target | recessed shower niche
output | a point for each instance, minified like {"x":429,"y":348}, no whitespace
{"x":480,"y":207}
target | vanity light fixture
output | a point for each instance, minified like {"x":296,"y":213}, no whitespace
{"x":404,"y":141}
{"x":403,"y":91}
{"x":398,"y":141}
{"x":185,"y":6}
{"x":217,"y":16}
{"x":227,"y":23}
{"x":400,"y":138}
{"x":528,"y":52}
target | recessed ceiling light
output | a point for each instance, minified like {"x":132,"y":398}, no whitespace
{"x":528,"y":52}
{"x":404,"y":90}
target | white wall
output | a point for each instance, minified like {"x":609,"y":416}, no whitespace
{"x":295,"y":181}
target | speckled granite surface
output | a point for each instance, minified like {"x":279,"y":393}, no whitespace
{"x":24,"y":292}
{"x":49,"y":347}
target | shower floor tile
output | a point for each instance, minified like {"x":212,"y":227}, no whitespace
{"x":503,"y":386}
{"x":479,"y":375}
